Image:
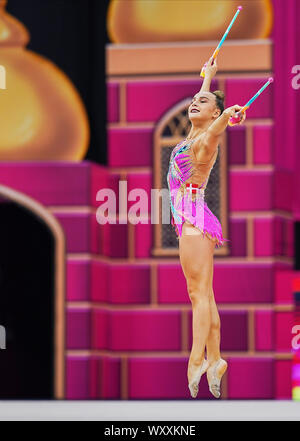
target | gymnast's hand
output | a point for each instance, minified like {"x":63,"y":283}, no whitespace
{"x":230,"y":111}
{"x":211,"y":67}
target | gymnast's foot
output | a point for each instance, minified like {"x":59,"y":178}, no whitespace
{"x":214,"y":375}
{"x":194,"y":376}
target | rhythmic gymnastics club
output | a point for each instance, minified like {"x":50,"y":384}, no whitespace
{"x":202,"y":74}
{"x":238,"y":116}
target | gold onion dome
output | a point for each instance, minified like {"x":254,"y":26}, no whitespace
{"x":42,"y":115}
{"x":138,"y":21}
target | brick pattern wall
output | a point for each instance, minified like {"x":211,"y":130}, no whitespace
{"x":128,"y":316}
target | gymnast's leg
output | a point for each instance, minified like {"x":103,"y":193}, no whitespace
{"x":196,"y":258}
{"x":217,"y":366}
{"x":214,"y":337}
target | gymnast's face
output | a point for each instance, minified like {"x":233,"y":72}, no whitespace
{"x":203,"y":107}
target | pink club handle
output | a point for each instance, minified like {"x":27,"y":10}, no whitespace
{"x":235,"y":119}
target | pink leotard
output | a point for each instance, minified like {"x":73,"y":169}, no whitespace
{"x":187,"y":205}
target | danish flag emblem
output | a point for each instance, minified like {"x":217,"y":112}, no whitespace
{"x":192,"y":188}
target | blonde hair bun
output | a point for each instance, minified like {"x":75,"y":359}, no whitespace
{"x":219,"y":94}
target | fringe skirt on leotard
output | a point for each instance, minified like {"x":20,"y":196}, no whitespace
{"x":192,"y":208}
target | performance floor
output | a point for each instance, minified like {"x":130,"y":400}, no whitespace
{"x":140,"y":410}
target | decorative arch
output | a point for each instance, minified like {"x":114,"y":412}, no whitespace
{"x":172,"y":128}
{"x":59,"y":280}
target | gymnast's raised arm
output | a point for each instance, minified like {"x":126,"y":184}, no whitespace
{"x":212,"y":135}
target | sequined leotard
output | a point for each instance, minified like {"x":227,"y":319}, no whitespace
{"x":187,"y":204}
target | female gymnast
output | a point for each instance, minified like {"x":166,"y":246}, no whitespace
{"x":199,"y":231}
